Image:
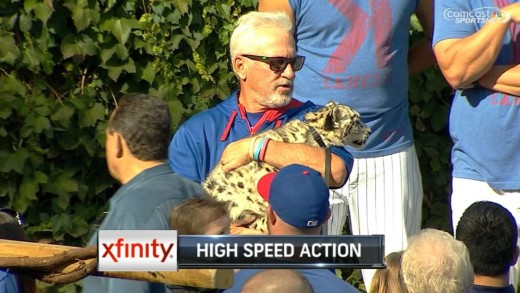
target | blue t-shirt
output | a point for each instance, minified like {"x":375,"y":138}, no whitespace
{"x":356,"y":54}
{"x":484,"y":125}
{"x":321,"y":280}
{"x":143,"y":203}
{"x":198,"y":144}
{"x":8,"y":282}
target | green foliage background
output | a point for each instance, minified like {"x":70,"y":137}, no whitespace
{"x":63,"y":64}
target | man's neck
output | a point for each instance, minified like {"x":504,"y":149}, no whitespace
{"x":135,"y":169}
{"x":499,"y":281}
{"x":249,"y":104}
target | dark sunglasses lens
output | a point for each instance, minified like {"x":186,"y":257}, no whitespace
{"x":278,"y":64}
{"x":297,"y":64}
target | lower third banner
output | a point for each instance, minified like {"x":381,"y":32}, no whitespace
{"x":316,"y":251}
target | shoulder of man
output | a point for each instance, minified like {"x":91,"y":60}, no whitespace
{"x":323,"y":280}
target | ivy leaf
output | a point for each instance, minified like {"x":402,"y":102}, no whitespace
{"x":62,"y":114}
{"x":25,"y":23}
{"x":120,"y":28}
{"x":148,"y":73}
{"x":81,"y":46}
{"x":121,"y":52}
{"x":14,"y":161}
{"x":65,"y":183}
{"x":82,"y":16}
{"x":10,"y":84}
{"x":79,"y":227}
{"x":182,"y":5}
{"x":115,"y":71}
{"x":40,"y":124}
{"x":68,"y":140}
{"x":42,"y":11}
{"x":29,"y":187}
{"x":90,"y":116}
{"x":8,"y":49}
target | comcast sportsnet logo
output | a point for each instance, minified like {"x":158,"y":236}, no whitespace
{"x":481,"y":15}
{"x":137,"y":250}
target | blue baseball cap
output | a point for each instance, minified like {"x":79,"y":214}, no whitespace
{"x":298,"y":194}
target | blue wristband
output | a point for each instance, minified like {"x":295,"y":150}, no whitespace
{"x":258,"y":148}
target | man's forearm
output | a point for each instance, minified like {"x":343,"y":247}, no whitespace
{"x":503,"y":78}
{"x":280,"y":154}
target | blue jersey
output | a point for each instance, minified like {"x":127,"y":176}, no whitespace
{"x":198,"y":144}
{"x":484,"y":125}
{"x":358,"y":57}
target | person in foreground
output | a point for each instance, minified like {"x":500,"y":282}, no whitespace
{"x":389,"y":280}
{"x":298,"y":205}
{"x":137,"y":140}
{"x":264,"y":59}
{"x":277,"y":280}
{"x":11,"y":229}
{"x":479,"y":55}
{"x":358,"y":54}
{"x":491,"y":235}
{"x":436,"y":262}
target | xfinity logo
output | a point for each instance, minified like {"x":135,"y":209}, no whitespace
{"x":137,"y":250}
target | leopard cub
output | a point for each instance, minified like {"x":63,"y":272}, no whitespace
{"x":336,"y":124}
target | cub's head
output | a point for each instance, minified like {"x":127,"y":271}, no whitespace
{"x":339,"y":125}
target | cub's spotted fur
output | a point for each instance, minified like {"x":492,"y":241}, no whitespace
{"x":337,"y":125}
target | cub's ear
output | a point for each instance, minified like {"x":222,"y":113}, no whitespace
{"x":329,"y":120}
{"x":331,"y":104}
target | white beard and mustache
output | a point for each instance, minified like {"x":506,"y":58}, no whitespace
{"x":277,"y":100}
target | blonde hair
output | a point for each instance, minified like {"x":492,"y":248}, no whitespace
{"x":246,"y":31}
{"x":389,"y":280}
{"x":194,"y":215}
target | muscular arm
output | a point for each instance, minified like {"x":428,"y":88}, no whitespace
{"x":276,"y":5}
{"x":420,"y":56}
{"x":502,"y":78}
{"x":281,"y":154}
{"x":463,"y":61}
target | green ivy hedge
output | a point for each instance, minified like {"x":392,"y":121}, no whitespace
{"x":63,"y":63}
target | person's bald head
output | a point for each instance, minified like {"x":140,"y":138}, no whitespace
{"x":277,"y":280}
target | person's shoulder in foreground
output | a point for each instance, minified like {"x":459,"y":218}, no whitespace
{"x":321,"y":280}
{"x":136,"y":155}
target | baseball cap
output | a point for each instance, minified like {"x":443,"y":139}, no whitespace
{"x":298,"y":194}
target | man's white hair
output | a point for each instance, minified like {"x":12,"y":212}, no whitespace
{"x":436,"y":262}
{"x":244,"y":37}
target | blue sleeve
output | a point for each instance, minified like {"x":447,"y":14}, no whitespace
{"x":183,"y":156}
{"x":447,"y":24}
{"x":347,"y":158}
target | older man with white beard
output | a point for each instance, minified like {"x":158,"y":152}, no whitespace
{"x":264,"y":60}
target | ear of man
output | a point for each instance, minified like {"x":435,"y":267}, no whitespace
{"x":515,"y":256}
{"x":271,"y":215}
{"x":240,"y":67}
{"x":120,"y":145}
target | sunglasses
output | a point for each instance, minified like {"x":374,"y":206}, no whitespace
{"x":278,"y":64}
{"x":13,"y":214}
